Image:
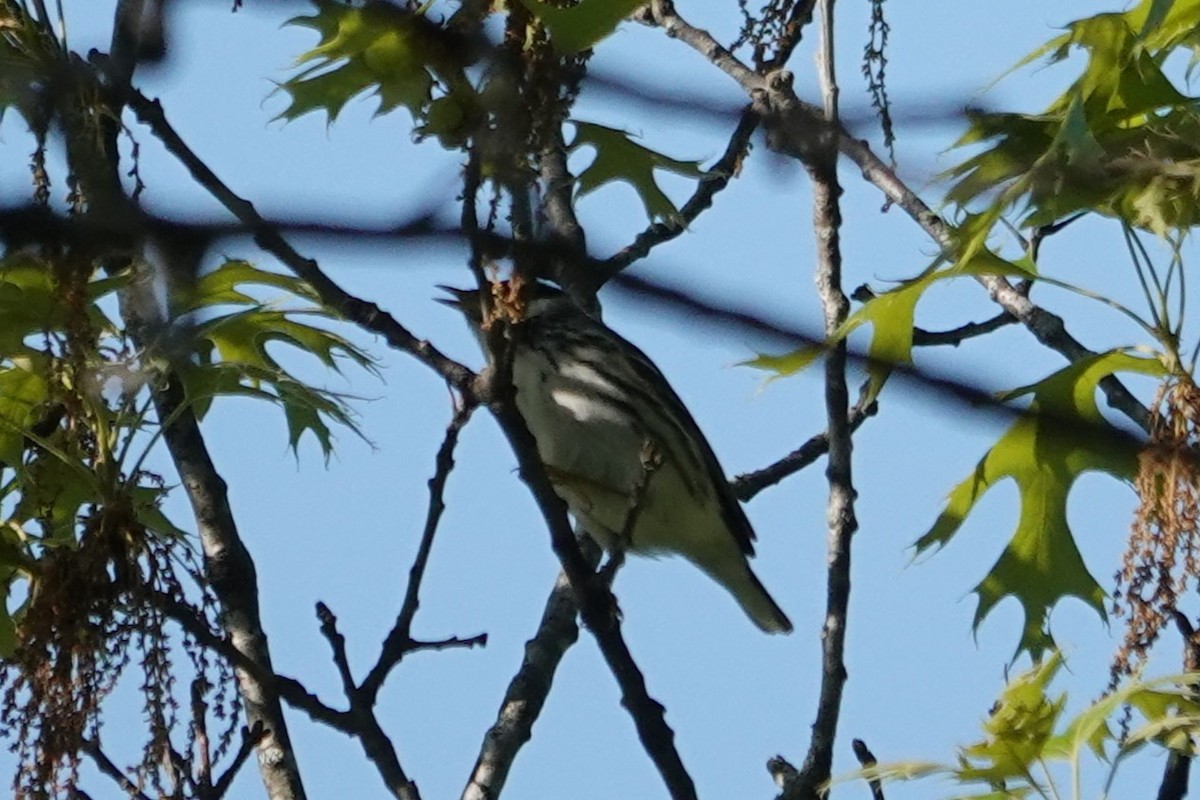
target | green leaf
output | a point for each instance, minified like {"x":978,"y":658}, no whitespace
{"x":891,"y":316}
{"x":220,"y":286}
{"x":1120,"y":141}
{"x":147,"y":509}
{"x":787,"y":364}
{"x":31,"y":302}
{"x":1017,"y":729}
{"x":242,"y":337}
{"x":231,"y":357}
{"x":55,"y":487}
{"x":619,"y":158}
{"x":394,"y":53}
{"x":1044,"y":452}
{"x":22,"y":392}
{"x":580,"y":26}
{"x":1023,"y":734}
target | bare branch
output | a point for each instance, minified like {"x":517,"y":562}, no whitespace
{"x":827,"y":220}
{"x":782,"y":771}
{"x":662,"y":13}
{"x":451,"y":643}
{"x":92,"y":748}
{"x":289,"y":689}
{"x":529,"y":687}
{"x":399,"y":639}
{"x":956,"y":336}
{"x":800,"y":17}
{"x":367,"y":315}
{"x":751,"y":483}
{"x":364,"y":726}
{"x":250,"y":740}
{"x":337,"y":643}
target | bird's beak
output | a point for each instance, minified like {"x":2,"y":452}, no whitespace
{"x":459,"y":295}
{"x":463,"y":300}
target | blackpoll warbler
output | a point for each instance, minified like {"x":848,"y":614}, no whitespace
{"x":619,"y":445}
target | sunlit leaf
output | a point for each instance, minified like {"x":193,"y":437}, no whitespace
{"x":1044,"y":452}
{"x":1120,"y":141}
{"x":1024,"y":734}
{"x":1016,"y":731}
{"x":232,"y":355}
{"x":787,"y":364}
{"x":396,"y":54}
{"x":891,"y":316}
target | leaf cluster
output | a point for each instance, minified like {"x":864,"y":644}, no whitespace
{"x":1029,"y":742}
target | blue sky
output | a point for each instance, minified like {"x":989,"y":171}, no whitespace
{"x":344,"y":533}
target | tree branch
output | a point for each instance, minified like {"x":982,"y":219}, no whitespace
{"x":529,"y":687}
{"x":1174,"y":785}
{"x":365,"y":726}
{"x":399,"y":640}
{"x":748,"y":485}
{"x":867,"y":759}
{"x":714,"y":180}
{"x":92,"y":748}
{"x":366,"y":315}
{"x":956,"y":336}
{"x":794,"y":125}
{"x":289,"y":689}
{"x":827,"y":219}
{"x":94,"y":159}
{"x":250,"y":740}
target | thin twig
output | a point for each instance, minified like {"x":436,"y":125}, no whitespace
{"x":290,"y":690}
{"x":449,"y":643}
{"x":365,"y":314}
{"x":748,"y":485}
{"x":376,"y":744}
{"x":250,"y":739}
{"x":956,"y":336}
{"x":92,"y":748}
{"x":867,"y":759}
{"x":799,"y":18}
{"x":714,"y":180}
{"x":399,"y":639}
{"x":337,"y":643}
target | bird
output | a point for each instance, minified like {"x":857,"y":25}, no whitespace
{"x":619,"y":446}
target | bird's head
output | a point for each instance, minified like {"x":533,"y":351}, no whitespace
{"x":510,"y":302}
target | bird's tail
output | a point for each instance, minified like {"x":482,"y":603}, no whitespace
{"x":753,"y":597}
